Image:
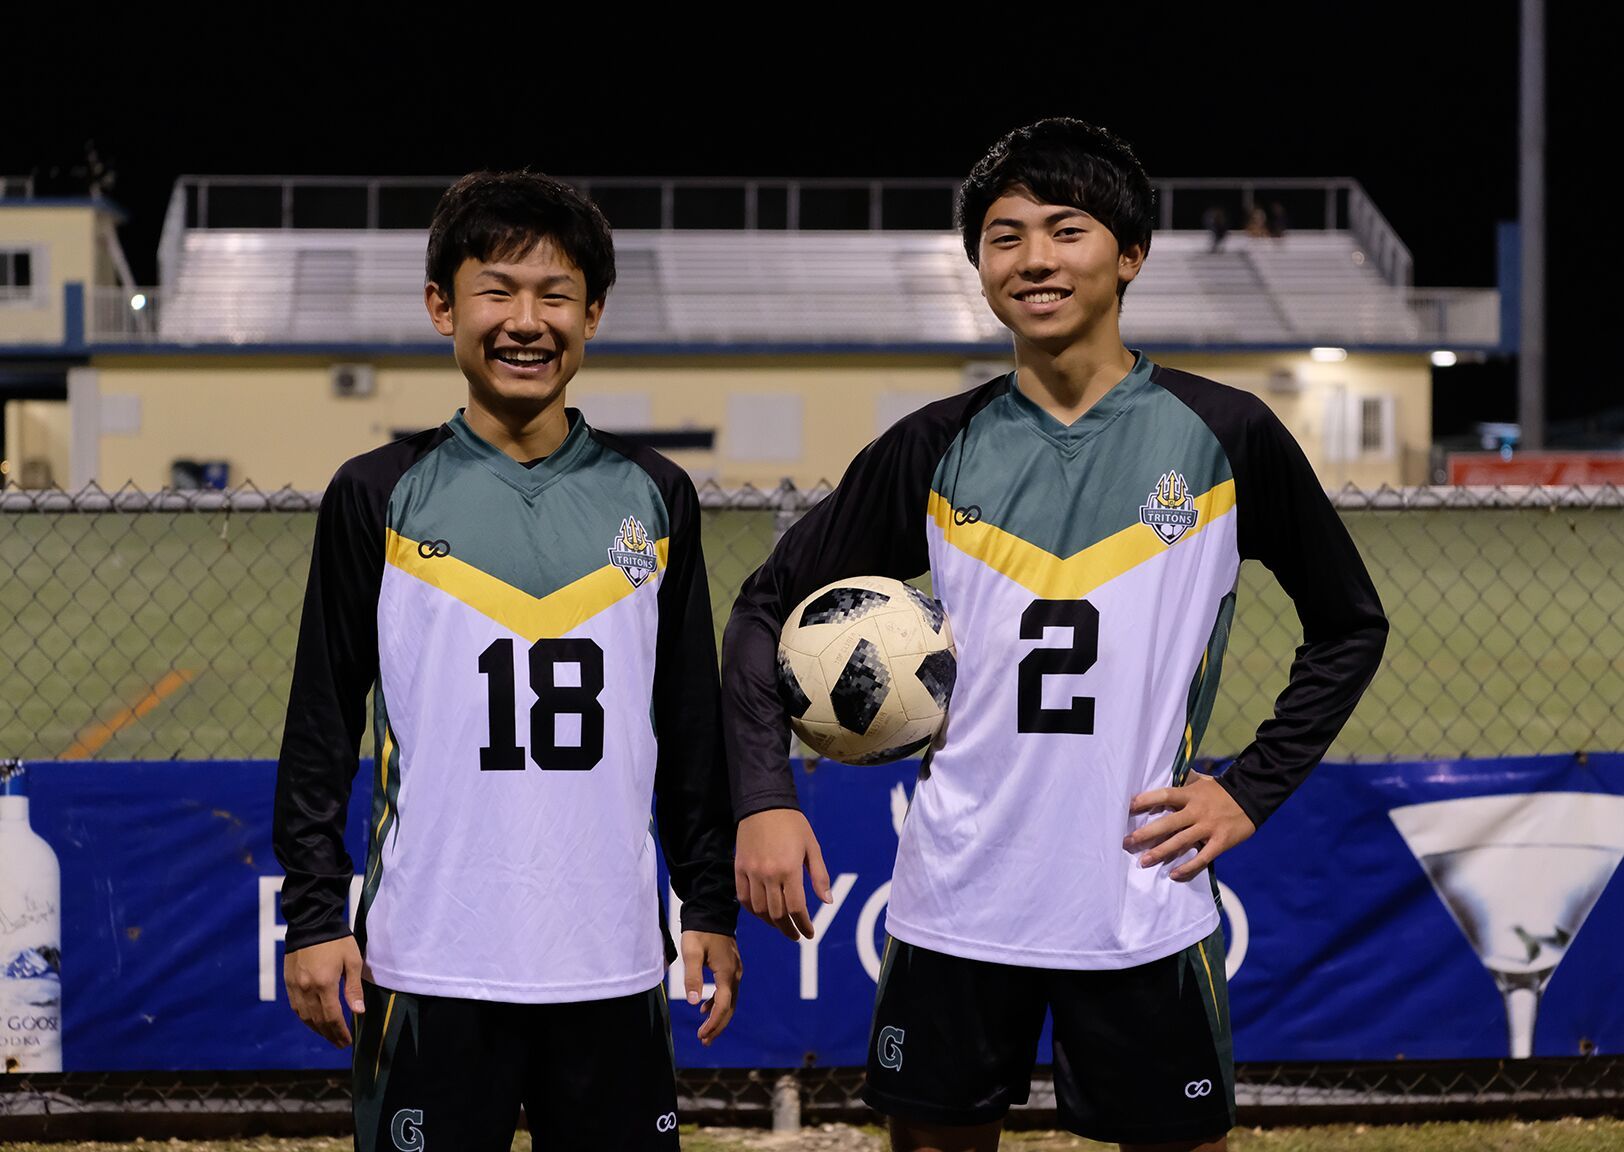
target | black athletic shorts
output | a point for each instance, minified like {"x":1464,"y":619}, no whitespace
{"x":1141,"y":1054}
{"x":433,"y":1072}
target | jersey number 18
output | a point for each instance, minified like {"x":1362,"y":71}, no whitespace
{"x":553,"y":700}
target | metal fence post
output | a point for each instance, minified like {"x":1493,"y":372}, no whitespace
{"x":787,"y":1104}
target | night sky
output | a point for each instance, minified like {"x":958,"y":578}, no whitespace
{"x":1421,"y":108}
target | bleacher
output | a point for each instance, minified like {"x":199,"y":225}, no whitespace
{"x":251,"y":261}
{"x":772,"y":288}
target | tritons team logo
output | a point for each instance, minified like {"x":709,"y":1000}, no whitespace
{"x":1169,"y":510}
{"x":632,"y":552}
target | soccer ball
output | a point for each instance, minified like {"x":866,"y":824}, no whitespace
{"x":866,"y":668}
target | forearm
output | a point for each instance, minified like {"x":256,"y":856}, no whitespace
{"x":1327,"y":679}
{"x":757,"y":723}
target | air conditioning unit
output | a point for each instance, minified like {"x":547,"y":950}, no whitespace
{"x":352,"y":379}
{"x":1284,"y":382}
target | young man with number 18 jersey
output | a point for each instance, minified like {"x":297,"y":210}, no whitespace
{"x":527,"y":599}
{"x":1083,"y":519}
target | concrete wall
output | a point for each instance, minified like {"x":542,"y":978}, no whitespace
{"x":63,"y":243}
{"x":1307,"y":396}
{"x":277,"y":421}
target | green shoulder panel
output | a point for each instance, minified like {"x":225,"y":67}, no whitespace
{"x":582,"y":509}
{"x":1139,"y":456}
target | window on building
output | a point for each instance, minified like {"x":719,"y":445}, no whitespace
{"x":16,"y":271}
{"x":1371,"y":425}
{"x":1359,"y":427}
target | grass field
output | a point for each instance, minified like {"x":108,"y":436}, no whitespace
{"x":170,"y":635}
{"x":1572,"y":1135}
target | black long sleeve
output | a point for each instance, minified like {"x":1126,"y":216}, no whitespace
{"x":1288,"y":523}
{"x":873,"y":523}
{"x":691,"y":806}
{"x":334,"y":668}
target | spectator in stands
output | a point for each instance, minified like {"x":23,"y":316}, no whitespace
{"x":1257,"y":221}
{"x":1216,"y":221}
{"x":1277,"y":220}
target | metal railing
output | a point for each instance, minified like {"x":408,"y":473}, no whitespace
{"x":1457,"y":317}
{"x":1381,"y":242}
{"x":749,"y":204}
{"x":1424,"y":318}
{"x":16,"y":187}
{"x":790,"y":204}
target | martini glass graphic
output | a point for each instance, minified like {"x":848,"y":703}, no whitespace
{"x":1519,"y":873}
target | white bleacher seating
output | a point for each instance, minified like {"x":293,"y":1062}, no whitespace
{"x":848,"y":288}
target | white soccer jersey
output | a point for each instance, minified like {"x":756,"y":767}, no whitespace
{"x":1089,"y":574}
{"x":541,"y":648}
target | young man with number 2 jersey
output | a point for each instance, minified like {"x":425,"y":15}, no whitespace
{"x":1083,"y":519}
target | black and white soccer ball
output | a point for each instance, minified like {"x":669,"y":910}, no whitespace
{"x":866,"y":667}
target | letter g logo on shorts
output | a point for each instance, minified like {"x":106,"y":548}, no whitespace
{"x":407,"y":1135}
{"x":1198,"y":1088}
{"x":890,"y":1048}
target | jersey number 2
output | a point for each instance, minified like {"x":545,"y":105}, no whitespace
{"x":553,"y":699}
{"x":1084,"y":621}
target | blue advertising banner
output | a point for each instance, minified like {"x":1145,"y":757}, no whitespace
{"x":1419,"y":910}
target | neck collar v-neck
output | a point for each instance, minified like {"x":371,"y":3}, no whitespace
{"x":532,"y":479}
{"x":1117,"y":398}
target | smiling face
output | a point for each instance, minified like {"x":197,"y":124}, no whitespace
{"x":519,"y":326}
{"x":1051,"y":272}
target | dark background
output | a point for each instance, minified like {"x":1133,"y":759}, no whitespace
{"x":1417,"y":102}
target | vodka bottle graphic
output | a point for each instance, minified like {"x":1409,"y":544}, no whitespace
{"x":30,"y":937}
{"x":1519,"y":873}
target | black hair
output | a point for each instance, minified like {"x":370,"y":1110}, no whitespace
{"x":1062,"y":161}
{"x":504,"y":215}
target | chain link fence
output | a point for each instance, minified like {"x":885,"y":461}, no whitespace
{"x":162,"y":626}
{"x":162,"y":1105}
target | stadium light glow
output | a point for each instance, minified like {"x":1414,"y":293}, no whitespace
{"x":1443,"y":358}
{"x":138,"y":301}
{"x":1327,"y":355}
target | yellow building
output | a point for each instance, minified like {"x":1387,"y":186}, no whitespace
{"x":748,"y":356}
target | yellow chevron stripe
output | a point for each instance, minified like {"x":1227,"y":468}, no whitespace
{"x":529,"y":616}
{"x":1201,"y":947}
{"x":383,"y":790}
{"x":383,"y":1036}
{"x":1073,"y":577}
{"x":383,"y":778}
{"x":1189,"y":728}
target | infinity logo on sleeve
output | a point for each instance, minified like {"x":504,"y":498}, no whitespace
{"x":1197,"y":1088}
{"x":429,"y":549}
{"x":666,"y":1123}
